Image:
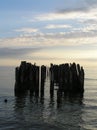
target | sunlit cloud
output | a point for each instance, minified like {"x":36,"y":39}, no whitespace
{"x":56,"y":16}
{"x":53,"y":39}
{"x":67,"y":14}
{"x":27,"y":30}
{"x":52,"y":26}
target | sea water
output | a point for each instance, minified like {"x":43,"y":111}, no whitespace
{"x":29,"y":113}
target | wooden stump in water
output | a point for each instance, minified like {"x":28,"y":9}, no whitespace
{"x":27,"y":78}
{"x":69,"y":78}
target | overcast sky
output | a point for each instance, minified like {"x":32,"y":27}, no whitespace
{"x":47,"y":30}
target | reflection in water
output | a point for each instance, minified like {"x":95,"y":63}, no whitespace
{"x":47,"y":112}
{"x":69,"y":97}
{"x":51,"y":109}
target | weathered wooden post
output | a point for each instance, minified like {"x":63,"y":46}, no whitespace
{"x":20,"y":84}
{"x":37,"y":81}
{"x":51,"y":80}
{"x":64,"y":77}
{"x":43,"y":77}
{"x":70,"y":79}
{"x":77,"y":78}
{"x":27,"y":78}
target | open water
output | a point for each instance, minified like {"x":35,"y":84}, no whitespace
{"x":30,"y":113}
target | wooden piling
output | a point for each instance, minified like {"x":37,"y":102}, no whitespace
{"x":68,"y":77}
{"x":27,"y":78}
{"x":43,"y":77}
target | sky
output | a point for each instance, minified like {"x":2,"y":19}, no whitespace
{"x":45,"y":31}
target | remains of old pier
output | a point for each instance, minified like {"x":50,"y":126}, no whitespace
{"x":68,"y":77}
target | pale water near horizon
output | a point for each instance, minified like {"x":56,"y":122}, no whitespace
{"x":29,"y":113}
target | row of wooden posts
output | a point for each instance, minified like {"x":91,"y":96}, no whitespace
{"x":68,"y":77}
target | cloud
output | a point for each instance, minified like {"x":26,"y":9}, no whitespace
{"x":52,"y":26}
{"x":27,"y":30}
{"x":91,"y":3}
{"x":16,"y":53}
{"x":19,"y":42}
{"x":79,"y":6}
{"x":74,"y":9}
{"x":61,"y":15}
{"x":55,"y":16}
{"x":75,"y":36}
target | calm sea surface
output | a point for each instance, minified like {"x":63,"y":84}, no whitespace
{"x":28,"y":113}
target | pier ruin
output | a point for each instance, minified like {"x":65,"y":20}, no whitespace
{"x":68,"y":77}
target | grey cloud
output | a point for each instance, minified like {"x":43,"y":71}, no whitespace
{"x":72,"y":34}
{"x":75,"y":9}
{"x":79,"y":6}
{"x":88,"y":21}
{"x":92,"y":3}
{"x":81,"y":34}
{"x":16,"y":53}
